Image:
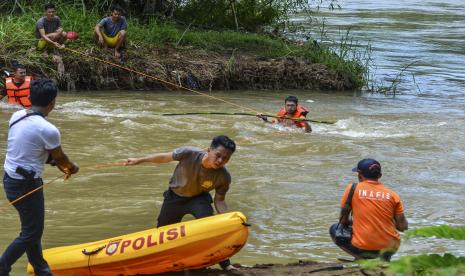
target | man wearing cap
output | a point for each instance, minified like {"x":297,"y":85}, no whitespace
{"x":378,"y":215}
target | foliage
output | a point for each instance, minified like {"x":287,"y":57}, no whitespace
{"x":429,"y":264}
{"x":372,"y":263}
{"x":18,"y":42}
{"x":442,"y":231}
{"x":250,"y":15}
{"x":432,"y":264}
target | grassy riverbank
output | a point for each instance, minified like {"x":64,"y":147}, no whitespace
{"x":18,"y":42}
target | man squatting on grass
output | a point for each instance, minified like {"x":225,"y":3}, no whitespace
{"x":111,"y":31}
{"x":49,"y":30}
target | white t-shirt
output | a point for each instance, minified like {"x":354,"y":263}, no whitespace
{"x":28,"y":143}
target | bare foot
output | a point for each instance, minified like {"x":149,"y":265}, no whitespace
{"x":60,"y":65}
{"x":117,"y":54}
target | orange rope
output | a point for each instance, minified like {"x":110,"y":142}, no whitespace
{"x":158,"y":79}
{"x":65,"y":176}
{"x":103,"y":166}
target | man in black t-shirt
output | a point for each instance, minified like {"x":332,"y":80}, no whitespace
{"x":196,"y":174}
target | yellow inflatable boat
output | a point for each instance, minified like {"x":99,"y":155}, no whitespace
{"x":187,"y":245}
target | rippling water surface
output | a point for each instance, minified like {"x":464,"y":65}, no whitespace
{"x":288,"y":183}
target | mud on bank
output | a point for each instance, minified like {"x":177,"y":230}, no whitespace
{"x":299,"y":268}
{"x":186,"y":66}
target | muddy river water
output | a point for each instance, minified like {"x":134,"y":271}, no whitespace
{"x":288,"y":183}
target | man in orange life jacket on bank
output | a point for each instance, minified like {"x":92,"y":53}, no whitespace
{"x":293,"y":110}
{"x":17,"y":87}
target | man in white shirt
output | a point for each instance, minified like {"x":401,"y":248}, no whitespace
{"x":31,"y":141}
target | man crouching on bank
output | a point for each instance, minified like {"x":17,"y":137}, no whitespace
{"x":196,"y":174}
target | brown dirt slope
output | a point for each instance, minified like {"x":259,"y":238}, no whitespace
{"x":299,"y":268}
{"x":189,"y":67}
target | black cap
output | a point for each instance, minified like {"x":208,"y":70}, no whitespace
{"x":369,"y":168}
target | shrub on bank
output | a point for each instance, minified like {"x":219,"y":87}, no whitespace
{"x":17,"y":38}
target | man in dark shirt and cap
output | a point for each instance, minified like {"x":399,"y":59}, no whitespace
{"x":196,"y":174}
{"x":378,"y":215}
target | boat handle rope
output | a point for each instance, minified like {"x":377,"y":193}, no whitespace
{"x":245,"y":222}
{"x":93,"y":252}
{"x":90,"y":253}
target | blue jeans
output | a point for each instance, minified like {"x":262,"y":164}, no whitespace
{"x":31,"y":211}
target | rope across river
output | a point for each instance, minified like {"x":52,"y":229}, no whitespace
{"x":247,"y":114}
{"x":158,"y":79}
{"x":102,"y":166}
{"x":188,"y":89}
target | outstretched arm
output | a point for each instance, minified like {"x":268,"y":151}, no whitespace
{"x":220,"y":203}
{"x":158,"y":158}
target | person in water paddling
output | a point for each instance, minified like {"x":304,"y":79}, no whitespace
{"x":111,"y":31}
{"x":49,"y":30}
{"x":196,"y":174}
{"x":378,"y":215}
{"x":31,"y":138}
{"x":291,"y":109}
{"x":17,"y":87}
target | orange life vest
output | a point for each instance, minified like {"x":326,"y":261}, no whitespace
{"x":18,"y":95}
{"x":301,"y":111}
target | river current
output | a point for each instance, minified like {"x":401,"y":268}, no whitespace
{"x":287,"y":182}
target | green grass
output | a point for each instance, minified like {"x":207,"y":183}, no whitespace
{"x":441,"y":231}
{"x":17,"y":36}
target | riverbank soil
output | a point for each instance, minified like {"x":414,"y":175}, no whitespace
{"x":186,"y":66}
{"x":299,"y":268}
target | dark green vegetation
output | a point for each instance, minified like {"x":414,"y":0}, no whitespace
{"x":228,"y":34}
{"x":431,"y":264}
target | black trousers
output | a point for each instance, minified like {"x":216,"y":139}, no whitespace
{"x":31,"y":212}
{"x":175,"y":207}
{"x":360,"y":253}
